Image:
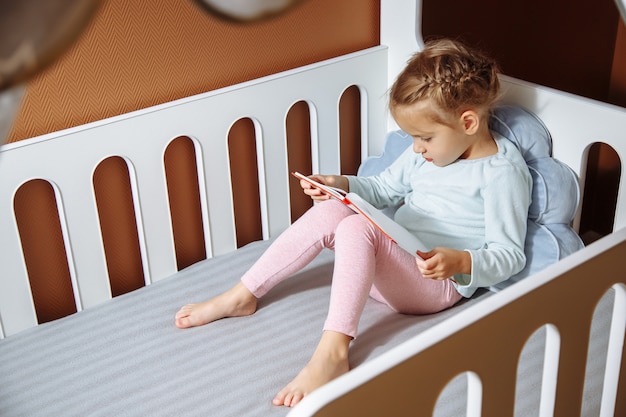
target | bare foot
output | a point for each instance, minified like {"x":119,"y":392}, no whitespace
{"x":236,"y":302}
{"x":329,"y":361}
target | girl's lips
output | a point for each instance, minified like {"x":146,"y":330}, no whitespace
{"x":429,"y":159}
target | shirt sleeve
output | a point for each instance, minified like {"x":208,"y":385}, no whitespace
{"x":391,"y":186}
{"x":506,"y":200}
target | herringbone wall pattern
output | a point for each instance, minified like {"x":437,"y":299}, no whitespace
{"x":139,"y":53}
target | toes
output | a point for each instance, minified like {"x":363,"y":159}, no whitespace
{"x":281,"y":397}
{"x":183,"y":312}
{"x":287,"y":401}
{"x":288,"y":397}
{"x":182,"y":319}
{"x":182,"y":322}
{"x":295,"y":399}
{"x":291,"y":399}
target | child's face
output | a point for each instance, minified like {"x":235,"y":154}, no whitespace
{"x":441,"y":144}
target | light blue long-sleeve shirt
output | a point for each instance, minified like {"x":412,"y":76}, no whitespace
{"x":477,"y":205}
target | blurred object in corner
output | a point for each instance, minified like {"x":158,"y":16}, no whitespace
{"x":10,"y":100}
{"x":247,"y":10}
{"x":33,"y":33}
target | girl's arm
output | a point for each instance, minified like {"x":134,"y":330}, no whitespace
{"x":390,"y":187}
{"x":506,"y":201}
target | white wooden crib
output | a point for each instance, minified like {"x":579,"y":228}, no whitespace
{"x":469,"y":358}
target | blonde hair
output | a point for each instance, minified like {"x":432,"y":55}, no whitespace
{"x":451,"y":75}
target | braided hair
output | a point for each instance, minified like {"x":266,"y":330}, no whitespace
{"x":450,"y":74}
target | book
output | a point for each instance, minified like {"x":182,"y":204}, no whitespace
{"x":392,"y":230}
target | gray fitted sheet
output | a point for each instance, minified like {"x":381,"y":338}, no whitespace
{"x":125,"y":357}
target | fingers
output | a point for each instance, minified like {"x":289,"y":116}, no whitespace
{"x":432,"y":274}
{"x":313,"y":192}
{"x":424,"y":268}
{"x":430,"y":266}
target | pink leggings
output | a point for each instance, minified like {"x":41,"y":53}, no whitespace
{"x":366,"y":263}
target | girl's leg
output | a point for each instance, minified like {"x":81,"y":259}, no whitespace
{"x":368,"y":263}
{"x":329,"y":361}
{"x":296,"y":247}
{"x":236,"y":302}
{"x":364,"y":258}
{"x":289,"y":253}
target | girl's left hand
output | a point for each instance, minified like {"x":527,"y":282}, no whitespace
{"x":442,"y":263}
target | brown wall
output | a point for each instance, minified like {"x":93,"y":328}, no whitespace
{"x":568,"y":45}
{"x":617,"y":90}
{"x":139,"y":53}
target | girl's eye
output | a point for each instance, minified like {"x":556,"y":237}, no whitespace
{"x":425,"y":139}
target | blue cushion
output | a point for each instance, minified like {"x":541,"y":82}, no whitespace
{"x":555,"y":194}
{"x":555,"y":186}
{"x":395,"y":143}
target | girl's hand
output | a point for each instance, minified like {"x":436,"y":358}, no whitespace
{"x":316,"y":194}
{"x":442,"y":263}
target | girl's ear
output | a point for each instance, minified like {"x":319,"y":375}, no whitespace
{"x":470,"y":121}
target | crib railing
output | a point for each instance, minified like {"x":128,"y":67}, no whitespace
{"x":67,"y":160}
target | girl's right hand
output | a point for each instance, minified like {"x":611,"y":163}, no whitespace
{"x":442,"y":263}
{"x":316,"y":194}
{"x":313,"y":192}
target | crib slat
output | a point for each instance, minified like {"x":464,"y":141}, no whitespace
{"x":17,"y":311}
{"x":86,"y":254}
{"x":328,"y":158}
{"x":144,"y":152}
{"x":273,"y":165}
{"x":218,"y":189}
{"x":615,"y":354}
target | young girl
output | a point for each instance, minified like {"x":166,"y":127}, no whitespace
{"x":464,"y":191}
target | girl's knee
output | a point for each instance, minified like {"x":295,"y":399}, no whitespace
{"x":331,"y":208}
{"x":329,"y":212}
{"x":355,"y":224}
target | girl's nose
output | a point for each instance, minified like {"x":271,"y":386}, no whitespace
{"x":417,"y":148}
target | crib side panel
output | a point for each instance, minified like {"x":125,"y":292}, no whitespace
{"x":67,"y":161}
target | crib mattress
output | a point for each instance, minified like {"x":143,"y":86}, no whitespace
{"x":125,"y":357}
